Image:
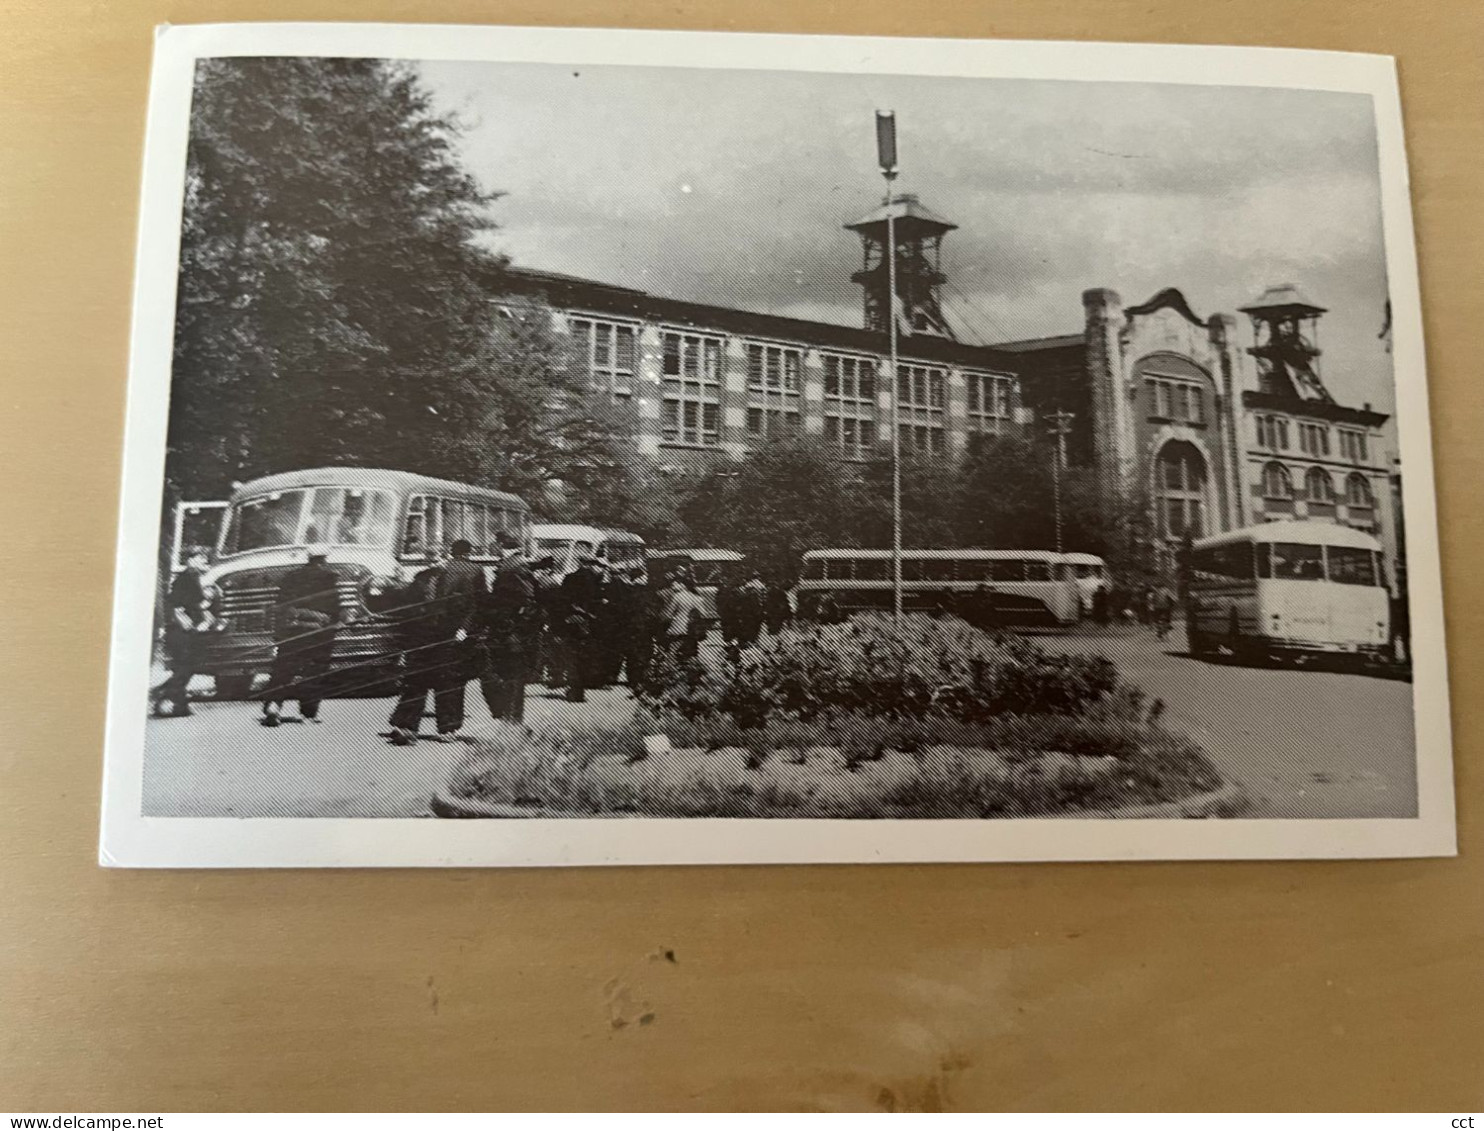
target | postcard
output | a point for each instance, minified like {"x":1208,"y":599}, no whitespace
{"x":572,"y":447}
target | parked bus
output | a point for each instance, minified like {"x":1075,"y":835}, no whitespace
{"x":378,"y":528}
{"x":1288,"y":588}
{"x":566,"y":542}
{"x":709,"y":568}
{"x":1028,"y":587}
{"x":1090,"y":573}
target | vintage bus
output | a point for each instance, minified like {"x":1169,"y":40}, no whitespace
{"x":709,"y":568}
{"x":565,"y":543}
{"x":1288,"y":588}
{"x":1090,"y":573}
{"x":1027,"y":587}
{"x":378,"y":528}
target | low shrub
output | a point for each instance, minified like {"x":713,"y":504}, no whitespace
{"x":872,"y":666}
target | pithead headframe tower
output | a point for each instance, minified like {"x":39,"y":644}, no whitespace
{"x":919,"y":236}
{"x":1286,"y":344}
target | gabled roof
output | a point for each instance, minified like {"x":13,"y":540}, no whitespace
{"x":1168,"y":299}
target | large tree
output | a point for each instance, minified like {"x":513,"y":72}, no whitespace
{"x":333,"y":290}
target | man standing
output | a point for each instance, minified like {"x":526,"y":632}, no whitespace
{"x":509,"y":630}
{"x":305,"y":618}
{"x":751,"y":608}
{"x":729,"y":601}
{"x":581,"y":601}
{"x":188,"y":619}
{"x":682,"y":614}
{"x":436,"y":652}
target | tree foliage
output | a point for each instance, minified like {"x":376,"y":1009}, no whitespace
{"x":336,"y":301}
{"x":797,"y":495}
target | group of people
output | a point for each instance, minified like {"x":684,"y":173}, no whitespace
{"x":523,"y":622}
{"x":744,"y":607}
{"x":1153,"y":605}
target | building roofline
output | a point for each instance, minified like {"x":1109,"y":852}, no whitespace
{"x":1320,"y":410}
{"x":1033,"y":345}
{"x":597,"y":297}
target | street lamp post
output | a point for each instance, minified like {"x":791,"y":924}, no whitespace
{"x":886,"y":154}
{"x":1060,"y":427}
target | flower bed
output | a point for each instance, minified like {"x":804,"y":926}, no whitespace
{"x":873,"y":667}
{"x":859,"y":721}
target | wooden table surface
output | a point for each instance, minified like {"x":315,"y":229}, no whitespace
{"x":1148,"y":986}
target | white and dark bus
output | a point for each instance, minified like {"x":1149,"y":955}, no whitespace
{"x":377,"y":528}
{"x":1027,"y":587}
{"x":1288,"y":588}
{"x":566,"y":543}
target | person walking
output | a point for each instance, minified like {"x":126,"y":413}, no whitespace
{"x":682,"y":616}
{"x":508,"y":627}
{"x":548,"y":581}
{"x":306,"y":615}
{"x":436,"y":649}
{"x":581,"y":604}
{"x":187,"y":621}
{"x":623,"y":630}
{"x":1162,"y":611}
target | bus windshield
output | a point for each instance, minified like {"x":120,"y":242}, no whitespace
{"x":338,"y":516}
{"x":264,"y":522}
{"x":348,"y":516}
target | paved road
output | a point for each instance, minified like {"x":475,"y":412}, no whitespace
{"x":222,"y":763}
{"x":1304,"y":743}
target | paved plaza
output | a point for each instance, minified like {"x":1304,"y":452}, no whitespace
{"x":1304,"y":743}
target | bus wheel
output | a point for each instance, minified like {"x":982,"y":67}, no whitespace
{"x":234,"y":687}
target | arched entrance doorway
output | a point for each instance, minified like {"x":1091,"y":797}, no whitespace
{"x":1180,"y":490}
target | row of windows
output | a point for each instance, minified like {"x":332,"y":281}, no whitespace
{"x":1174,"y":399}
{"x":934,"y":569}
{"x":773,"y":368}
{"x":1313,"y":439}
{"x":1286,"y":561}
{"x":1319,"y":487}
{"x":610,"y":350}
{"x":437,"y":522}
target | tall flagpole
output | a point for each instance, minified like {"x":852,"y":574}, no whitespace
{"x":886,"y":151}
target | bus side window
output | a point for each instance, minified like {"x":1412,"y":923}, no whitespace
{"x":912,"y":569}
{"x":415,"y":535}
{"x":1264,"y":560}
{"x":814,"y":570}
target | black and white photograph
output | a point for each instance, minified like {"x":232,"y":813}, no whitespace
{"x":581,"y":447}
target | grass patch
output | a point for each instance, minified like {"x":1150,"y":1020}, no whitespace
{"x":846,"y":766}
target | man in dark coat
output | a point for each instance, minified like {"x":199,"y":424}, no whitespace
{"x":729,"y":614}
{"x":305,"y":617}
{"x":581,"y":607}
{"x":508,"y":628}
{"x":187,"y":620}
{"x":436,"y":652}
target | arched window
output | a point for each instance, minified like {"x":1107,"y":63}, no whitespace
{"x":1360,"y":504}
{"x":1181,"y":487}
{"x":1319,"y":489}
{"x":1276,"y":482}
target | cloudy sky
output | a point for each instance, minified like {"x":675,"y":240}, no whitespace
{"x":731,"y":187}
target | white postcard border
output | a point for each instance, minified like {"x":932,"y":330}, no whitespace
{"x":130,"y":839}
